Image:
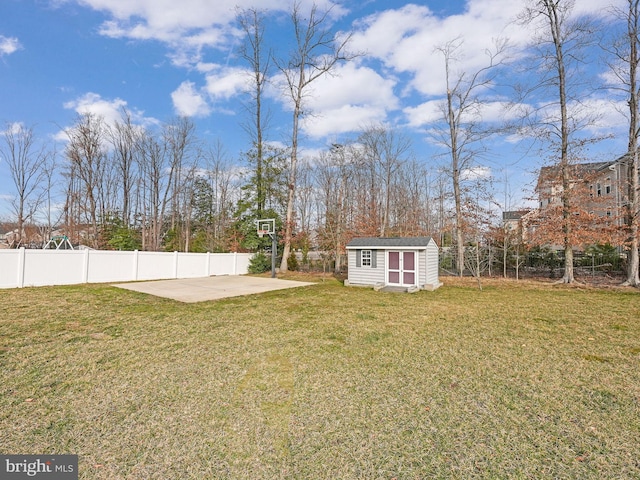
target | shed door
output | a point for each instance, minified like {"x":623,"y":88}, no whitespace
{"x":401,"y":268}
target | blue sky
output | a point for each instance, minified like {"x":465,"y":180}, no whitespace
{"x":161,"y":58}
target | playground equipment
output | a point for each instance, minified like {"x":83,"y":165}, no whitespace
{"x":58,"y":242}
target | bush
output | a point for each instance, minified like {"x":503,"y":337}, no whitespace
{"x":292,"y":262}
{"x":259,"y":263}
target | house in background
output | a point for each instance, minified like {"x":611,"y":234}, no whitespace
{"x":600,"y":184}
{"x":512,"y":220}
{"x":409,"y":263}
{"x":515,"y":225}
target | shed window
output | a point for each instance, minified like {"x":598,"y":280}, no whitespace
{"x":366,"y":258}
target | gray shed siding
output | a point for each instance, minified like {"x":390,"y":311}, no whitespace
{"x":422,"y":267}
{"x":366,"y":275}
{"x":431,"y":267}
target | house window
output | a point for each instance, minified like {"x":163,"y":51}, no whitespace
{"x":607,"y":189}
{"x":366,"y":258}
{"x":599,"y":189}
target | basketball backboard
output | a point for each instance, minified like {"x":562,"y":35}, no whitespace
{"x":266,"y":226}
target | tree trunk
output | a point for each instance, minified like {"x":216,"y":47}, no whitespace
{"x":633,"y":262}
{"x":632,"y":209}
{"x":291,"y":193}
{"x":555,"y":24}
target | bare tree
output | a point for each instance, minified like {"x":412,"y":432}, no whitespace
{"x":477,"y":213}
{"x":387,"y":150}
{"x":86,"y":152}
{"x":461,"y":131}
{"x":316,"y":53}
{"x":50,"y":168}
{"x":221,"y":177}
{"x":305,"y":195}
{"x":412,"y":204}
{"x":123,"y":136}
{"x":252,"y":51}
{"x":334,"y":175}
{"x":154,"y":189}
{"x":26,"y":163}
{"x":626,"y":60}
{"x":179,"y":144}
{"x":559,"y":48}
{"x":366,"y":191}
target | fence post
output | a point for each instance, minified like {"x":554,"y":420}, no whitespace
{"x":135,"y":265}
{"x":235,"y":263}
{"x":85,"y":266}
{"x":207,"y":270}
{"x":175,"y":264}
{"x":21,"y":261}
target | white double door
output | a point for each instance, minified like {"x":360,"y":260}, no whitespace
{"x":401,"y":268}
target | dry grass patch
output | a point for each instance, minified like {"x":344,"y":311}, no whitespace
{"x":520,"y":380}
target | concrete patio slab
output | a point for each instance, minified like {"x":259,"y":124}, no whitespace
{"x":191,"y":290}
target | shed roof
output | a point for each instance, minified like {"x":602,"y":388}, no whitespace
{"x":389,"y":242}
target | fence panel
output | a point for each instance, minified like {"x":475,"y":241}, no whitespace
{"x":156,"y":265}
{"x":229,"y":264}
{"x":192,"y":265}
{"x":42,"y":268}
{"x":110,"y":266}
{"x":10,"y":268}
{"x":32,"y":268}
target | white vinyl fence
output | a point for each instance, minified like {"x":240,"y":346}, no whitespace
{"x":34,"y":268}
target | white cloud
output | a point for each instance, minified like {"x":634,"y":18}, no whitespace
{"x":345,"y":119}
{"x":402,"y":42}
{"x":475,"y":173}
{"x":406,"y":39}
{"x":226,"y":82}
{"x":188,"y":102}
{"x":110,"y":110}
{"x":591,"y":7}
{"x":14,"y":128}
{"x":9,"y":45}
{"x":187,"y":25}
{"x":432,"y":111}
{"x":604,"y":116}
{"x":424,"y":114}
{"x":345,"y":101}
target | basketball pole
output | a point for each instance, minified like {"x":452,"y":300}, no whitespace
{"x":268,"y":226}
{"x":274,"y":253}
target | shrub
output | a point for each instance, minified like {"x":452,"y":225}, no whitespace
{"x":292,"y":262}
{"x":259,"y":263}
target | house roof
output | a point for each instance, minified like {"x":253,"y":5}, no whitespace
{"x":577,"y":171}
{"x":514,"y":214}
{"x":389,"y":242}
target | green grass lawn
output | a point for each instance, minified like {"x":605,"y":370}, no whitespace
{"x":326,"y":382}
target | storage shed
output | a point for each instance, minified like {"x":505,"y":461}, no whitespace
{"x":410,"y":263}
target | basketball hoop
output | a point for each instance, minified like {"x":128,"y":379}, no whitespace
{"x":267,"y":226}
